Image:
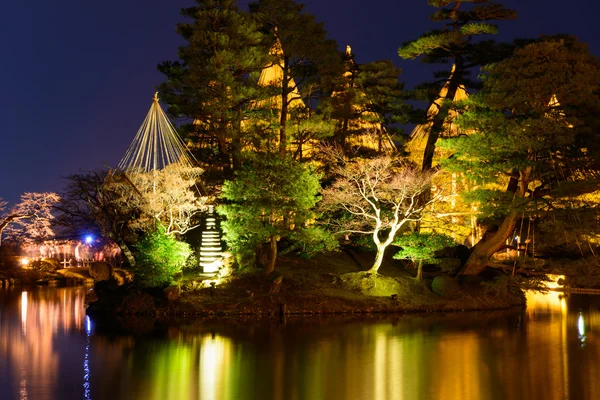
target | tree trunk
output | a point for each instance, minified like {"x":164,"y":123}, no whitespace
{"x":126,"y":252}
{"x":378,"y":259}
{"x":438,"y":123}
{"x":284,"y":107}
{"x":420,"y":270}
{"x":488,"y":246}
{"x":236,"y":145}
{"x":273,"y":255}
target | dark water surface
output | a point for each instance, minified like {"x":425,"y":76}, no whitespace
{"x":49,"y":349}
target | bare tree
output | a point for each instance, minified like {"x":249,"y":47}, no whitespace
{"x":378,"y":197}
{"x":168,"y":197}
{"x":89,"y":204}
{"x":31,"y":218}
{"x":121,"y":205}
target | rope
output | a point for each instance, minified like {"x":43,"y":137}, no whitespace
{"x":157,"y":145}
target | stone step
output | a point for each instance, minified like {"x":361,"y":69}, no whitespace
{"x":210,"y":254}
{"x":210,"y":249}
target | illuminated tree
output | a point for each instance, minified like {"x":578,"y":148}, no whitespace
{"x":128,"y":207}
{"x":308,"y":60}
{"x":30,"y":219}
{"x":380,"y":195}
{"x":215,"y":80}
{"x":369,"y":101}
{"x":160,"y":257}
{"x":464,"y":21}
{"x":169,"y":197}
{"x":420,"y":248}
{"x":529,"y":124}
{"x":271,"y":199}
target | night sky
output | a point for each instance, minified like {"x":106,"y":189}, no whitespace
{"x":79,"y":76}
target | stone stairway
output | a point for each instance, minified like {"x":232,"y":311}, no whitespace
{"x":210,"y":244}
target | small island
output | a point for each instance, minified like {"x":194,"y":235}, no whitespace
{"x":291,"y":189}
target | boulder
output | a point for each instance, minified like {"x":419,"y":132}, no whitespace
{"x":450,"y":265}
{"x":172,"y":292}
{"x":100,"y":271}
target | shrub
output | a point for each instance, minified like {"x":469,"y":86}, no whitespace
{"x":160,"y":257}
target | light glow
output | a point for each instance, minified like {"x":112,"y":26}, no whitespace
{"x":24,"y":312}
{"x":581,"y":328}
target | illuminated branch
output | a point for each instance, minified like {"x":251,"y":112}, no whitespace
{"x":380,"y":192}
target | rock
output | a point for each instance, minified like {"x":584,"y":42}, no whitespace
{"x":100,"y":271}
{"x":139,"y":303}
{"x":445,"y":286}
{"x":172,"y":292}
{"x":450,"y":265}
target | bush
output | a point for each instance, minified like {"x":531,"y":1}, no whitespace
{"x":160,"y":257}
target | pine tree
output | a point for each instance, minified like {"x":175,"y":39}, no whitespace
{"x":270,"y":199}
{"x":455,"y":42}
{"x":307,"y":60}
{"x":529,"y":125}
{"x":215,"y":80}
{"x":368,"y":104}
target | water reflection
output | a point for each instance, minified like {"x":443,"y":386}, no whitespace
{"x":35,"y":326}
{"x":549,"y":351}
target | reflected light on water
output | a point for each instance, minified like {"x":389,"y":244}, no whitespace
{"x":86,"y":361}
{"x":581,"y":328}
{"x":32,"y":325}
{"x":24,"y":312}
{"x":214,"y":350}
{"x":514,"y":354}
{"x":545,"y":303}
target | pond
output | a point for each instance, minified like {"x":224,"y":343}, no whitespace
{"x":49,"y":349}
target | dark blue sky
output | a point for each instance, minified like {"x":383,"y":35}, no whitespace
{"x":79,"y":76}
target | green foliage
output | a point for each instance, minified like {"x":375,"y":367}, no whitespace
{"x":465,"y":22}
{"x":369,"y":96}
{"x":417,"y":246}
{"x":160,"y":257}
{"x":364,"y":242}
{"x":313,"y":240}
{"x":271,"y":197}
{"x":517,"y":131}
{"x":427,"y":43}
{"x":308,"y":64}
{"x":215,"y":79}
